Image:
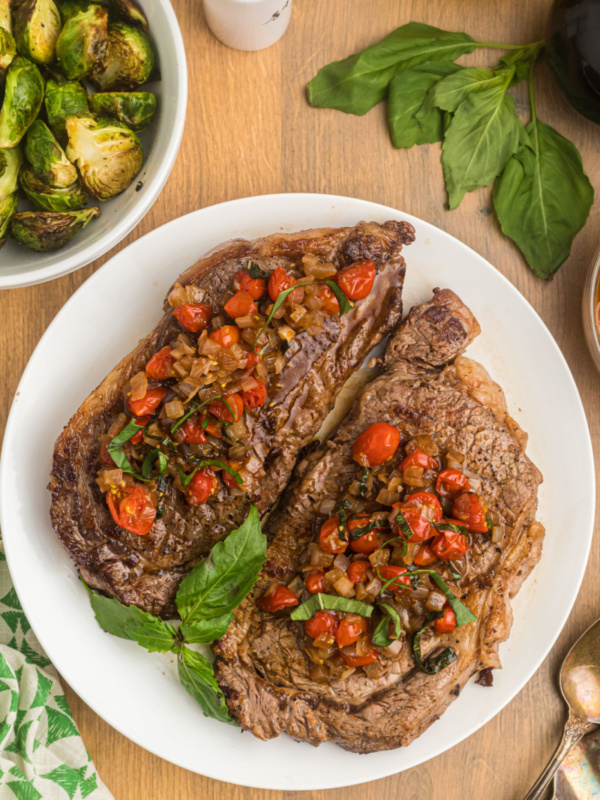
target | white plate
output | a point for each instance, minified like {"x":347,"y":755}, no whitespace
{"x":138,"y":693}
{"x":22,"y":267}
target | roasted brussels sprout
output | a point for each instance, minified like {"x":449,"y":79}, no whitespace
{"x":108,"y":154}
{"x":10,"y":164}
{"x":82,"y":42}
{"x":129,"y":59}
{"x":68,"y":8}
{"x":64,"y":100}
{"x":7,"y":51}
{"x":5,"y":16}
{"x":22,"y":100}
{"x":37,"y":25}
{"x":50,"y":198}
{"x":47,"y":157}
{"x":44,"y":230}
{"x":134,"y":109}
{"x":8,"y":206}
{"x":130,"y":12}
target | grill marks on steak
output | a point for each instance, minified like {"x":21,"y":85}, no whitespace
{"x":426,"y":387}
{"x":146,"y":570}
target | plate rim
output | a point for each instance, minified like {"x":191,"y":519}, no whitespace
{"x":306,"y":197}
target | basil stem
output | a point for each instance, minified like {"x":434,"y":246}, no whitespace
{"x":433,"y":664}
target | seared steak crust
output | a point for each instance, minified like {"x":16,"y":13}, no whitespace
{"x":426,"y":387}
{"x":146,"y":570}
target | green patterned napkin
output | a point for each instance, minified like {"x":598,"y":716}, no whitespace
{"x":42,"y":755}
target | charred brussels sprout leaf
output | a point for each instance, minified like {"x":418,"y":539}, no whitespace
{"x":108,"y":154}
{"x":69,"y":8}
{"x":10,"y":164}
{"x":49,"y":198}
{"x":82,"y":42}
{"x":7,"y":51}
{"x":62,"y":101}
{"x":42,"y":230}
{"x":134,"y":109}
{"x":129,"y":59}
{"x":22,"y":100}
{"x":37,"y":25}
{"x":8,"y":206}
{"x":130,"y":12}
{"x":47,"y":157}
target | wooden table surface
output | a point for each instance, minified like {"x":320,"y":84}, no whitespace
{"x":250,"y":131}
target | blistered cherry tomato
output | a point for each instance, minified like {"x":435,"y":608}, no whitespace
{"x":367,"y":543}
{"x":137,"y":437}
{"x":357,"y":571}
{"x":424,"y":556}
{"x":132,"y":509}
{"x":351,"y":628}
{"x":192,"y":432}
{"x":279,"y":282}
{"x":451,"y":482}
{"x":255,"y":287}
{"x":427,"y":503}
{"x":228,"y":479}
{"x":376,"y":444}
{"x":148,"y":404}
{"x":193,"y":317}
{"x":450,"y":546}
{"x":202,"y":486}
{"x":252,"y":361}
{"x":421,"y":528}
{"x":255,"y":397}
{"x":315,"y":581}
{"x":446,"y":623}
{"x":330,"y":302}
{"x":324,"y":623}
{"x":356,"y":281}
{"x":223,"y":412}
{"x":329,"y":539}
{"x":240,"y":305}
{"x":399,"y":573}
{"x":276,"y":597}
{"x":360,"y":661}
{"x":105,"y":456}
{"x":225,"y":336}
{"x":418,"y":459}
{"x":160,"y":366}
{"x":214,"y":428}
{"x":472,"y":509}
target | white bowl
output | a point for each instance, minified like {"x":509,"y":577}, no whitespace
{"x":22,"y":267}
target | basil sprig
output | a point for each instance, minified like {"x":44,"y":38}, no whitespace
{"x":205,"y":601}
{"x":209,"y":462}
{"x":380,"y":635}
{"x":331,"y":602}
{"x":433,"y":664}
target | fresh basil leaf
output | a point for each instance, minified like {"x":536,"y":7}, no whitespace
{"x":410,"y":123}
{"x":198,"y":678}
{"x":130,"y":622}
{"x":209,"y":462}
{"x":308,"y":609}
{"x":219,"y":583}
{"x":151,"y":458}
{"x":450,"y":92}
{"x":543,"y":198}
{"x":125,"y":435}
{"x":203,"y":631}
{"x":359,"y":82}
{"x":462,"y":613}
{"x":484,"y":133}
{"x":433,"y":664}
{"x":521,"y":59}
{"x":256,"y":272}
{"x":380,"y":635}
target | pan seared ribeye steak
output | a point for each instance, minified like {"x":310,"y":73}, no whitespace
{"x":136,"y":540}
{"x":463,"y":497}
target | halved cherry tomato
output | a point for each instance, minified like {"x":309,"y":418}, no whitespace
{"x":427,"y":503}
{"x":451,"y":482}
{"x":329,"y":539}
{"x":424,"y":556}
{"x":137,"y":437}
{"x":255,"y":397}
{"x":192,"y":432}
{"x":228,"y":479}
{"x":315,"y":581}
{"x":368,"y":542}
{"x":193,"y":317}
{"x":400,"y":573}
{"x":376,"y":444}
{"x":330,"y":302}
{"x":324,"y":623}
{"x":160,"y":366}
{"x":132,"y":509}
{"x":223,"y":412}
{"x":447,"y":623}
{"x":420,"y":527}
{"x":276,"y":597}
{"x":214,"y":428}
{"x":357,"y":570}
{"x":225,"y":336}
{"x":148,"y":404}
{"x":360,"y":661}
{"x":351,"y":628}
{"x":252,"y":361}
{"x":418,"y":459}
{"x":450,"y":546}
{"x":105,"y":456}
{"x":356,"y":281}
{"x":278,"y":282}
{"x":255,"y":287}
{"x":240,"y":305}
{"x":202,"y":486}
{"x":472,"y":509}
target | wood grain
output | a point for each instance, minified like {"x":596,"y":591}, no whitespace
{"x":250,"y":131}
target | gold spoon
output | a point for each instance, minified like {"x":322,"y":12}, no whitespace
{"x":580,"y":686}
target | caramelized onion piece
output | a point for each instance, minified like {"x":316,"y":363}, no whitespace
{"x":139,"y":386}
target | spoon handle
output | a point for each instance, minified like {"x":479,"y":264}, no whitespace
{"x":575,"y":730}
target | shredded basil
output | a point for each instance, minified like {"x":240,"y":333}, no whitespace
{"x":196,"y":407}
{"x":115,"y":448}
{"x":488,"y":520}
{"x":405,"y":528}
{"x":433,"y":664}
{"x":161,"y":488}
{"x":164,"y":440}
{"x":362,"y":482}
{"x":380,"y":635}
{"x":449,"y":526}
{"x":318,"y":601}
{"x":370,"y":526}
{"x":209,"y":462}
{"x":463,"y":615}
{"x":341,"y":513}
{"x":151,"y":457}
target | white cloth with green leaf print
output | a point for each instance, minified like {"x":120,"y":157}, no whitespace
{"x":42,"y":755}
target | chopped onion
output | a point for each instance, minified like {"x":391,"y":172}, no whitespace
{"x":319,"y":673}
{"x":380,"y":557}
{"x":186,"y":294}
{"x":394,"y":649}
{"x":326,"y":506}
{"x":334,"y":575}
{"x":323,"y":642}
{"x":341,"y":561}
{"x":174,"y":409}
{"x":247,"y":321}
{"x":314,"y":303}
{"x":117,"y":425}
{"x":373,"y":587}
{"x":343,"y":586}
{"x":364,"y":645}
{"x":455,"y":457}
{"x":318,"y":557}
{"x":286,"y":334}
{"x":236,"y":452}
{"x":347,"y":672}
{"x":435,"y":601}
{"x":411,"y":549}
{"x":209,"y":348}
{"x":139,"y":386}
{"x":424,"y":443}
{"x":320,"y":270}
{"x":497,"y":533}
{"x":253,"y":465}
{"x":237,"y":430}
{"x":109,"y":478}
{"x":375,"y":670}
{"x":248,"y":383}
{"x":420,"y":593}
{"x":387,"y":498}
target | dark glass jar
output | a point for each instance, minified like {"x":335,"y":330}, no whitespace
{"x":573,"y":50}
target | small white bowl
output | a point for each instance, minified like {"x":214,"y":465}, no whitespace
{"x":22,"y":267}
{"x":589,"y":302}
